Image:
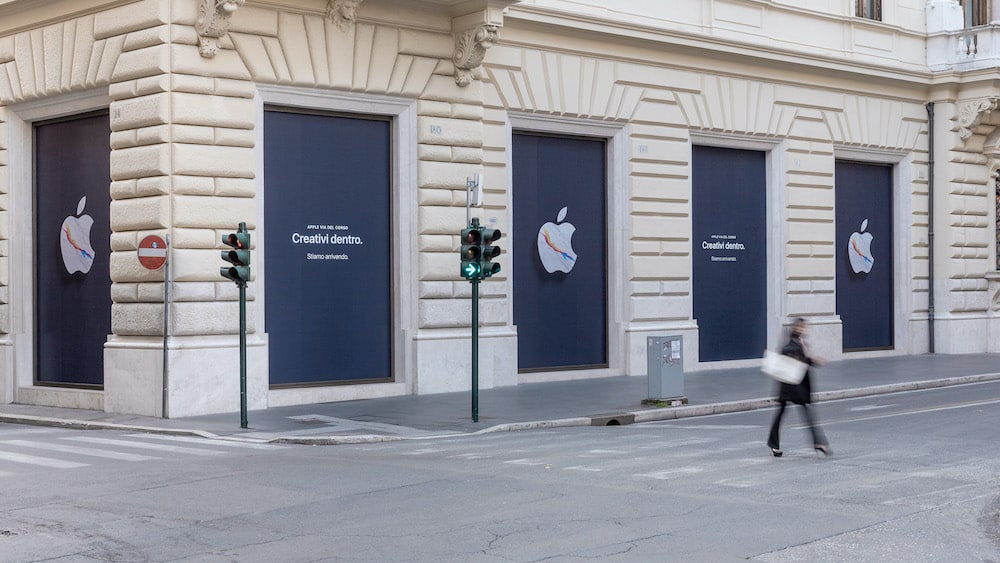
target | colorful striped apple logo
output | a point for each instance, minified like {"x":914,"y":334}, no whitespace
{"x":74,"y":240}
{"x":859,"y":250}
{"x":555,"y":245}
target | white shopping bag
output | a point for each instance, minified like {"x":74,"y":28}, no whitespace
{"x":783,"y":368}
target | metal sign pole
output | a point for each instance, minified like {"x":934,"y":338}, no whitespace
{"x":469,"y":183}
{"x":166,"y":331}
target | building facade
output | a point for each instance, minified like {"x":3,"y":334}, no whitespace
{"x":703,"y":168}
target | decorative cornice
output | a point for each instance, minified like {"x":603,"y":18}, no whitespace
{"x":970,"y":114}
{"x":343,"y":12}
{"x":213,"y":23}
{"x":470,"y":48}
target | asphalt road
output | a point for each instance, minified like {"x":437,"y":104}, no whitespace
{"x":913,"y":478}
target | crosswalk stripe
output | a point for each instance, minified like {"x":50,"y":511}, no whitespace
{"x":95,"y":452}
{"x":207,"y":441}
{"x":144,"y":445}
{"x":43,"y":461}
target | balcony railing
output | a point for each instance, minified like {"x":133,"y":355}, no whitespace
{"x":966,"y":49}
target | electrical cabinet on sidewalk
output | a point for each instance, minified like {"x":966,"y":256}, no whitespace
{"x":665,"y":370}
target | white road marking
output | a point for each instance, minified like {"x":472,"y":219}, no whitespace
{"x":947,"y":497}
{"x":677,"y":443}
{"x":94,"y":452}
{"x":471,"y":456}
{"x":22,"y":431}
{"x":144,"y":445}
{"x":871,"y":407}
{"x":671,"y":473}
{"x":907,"y":413}
{"x":423,"y":451}
{"x":208,"y":441}
{"x":736,"y":483}
{"x":525,"y":461}
{"x":43,"y":461}
{"x":674,"y":424}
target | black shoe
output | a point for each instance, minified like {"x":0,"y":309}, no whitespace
{"x":823,"y":449}
{"x":775,"y":452}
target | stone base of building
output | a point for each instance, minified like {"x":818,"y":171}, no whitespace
{"x":6,"y":367}
{"x":965,"y":335}
{"x":444,"y":361}
{"x":203,"y":378}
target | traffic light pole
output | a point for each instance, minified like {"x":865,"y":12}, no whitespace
{"x":475,"y":350}
{"x":239,"y":272}
{"x":474,"y":223}
{"x":243,"y":339}
{"x":476,"y":266}
{"x":243,"y":355}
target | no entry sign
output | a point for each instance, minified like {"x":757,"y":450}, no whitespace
{"x":152,"y":252}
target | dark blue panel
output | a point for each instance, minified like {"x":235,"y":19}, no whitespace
{"x":328,"y":248}
{"x":864,"y":254}
{"x":72,"y":250}
{"x":561,"y":316}
{"x":729,"y":255}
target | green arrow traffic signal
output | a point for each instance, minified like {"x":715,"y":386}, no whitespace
{"x":470,"y":252}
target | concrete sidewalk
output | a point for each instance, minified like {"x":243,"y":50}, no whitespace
{"x":534,"y":405}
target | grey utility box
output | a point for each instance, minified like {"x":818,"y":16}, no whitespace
{"x":665,"y":369}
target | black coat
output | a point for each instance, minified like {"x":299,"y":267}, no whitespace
{"x":801,"y":393}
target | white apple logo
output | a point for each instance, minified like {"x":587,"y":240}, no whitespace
{"x":74,"y":241}
{"x":555,"y":245}
{"x":859,"y":250}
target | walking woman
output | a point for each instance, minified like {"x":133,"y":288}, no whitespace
{"x":800,"y":393}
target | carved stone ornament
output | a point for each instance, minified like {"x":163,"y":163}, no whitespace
{"x":470,"y":48}
{"x":993,"y":285}
{"x":970,"y":114}
{"x":213,"y":23}
{"x":343,"y":12}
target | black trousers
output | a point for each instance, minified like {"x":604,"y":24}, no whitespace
{"x":817,"y":432}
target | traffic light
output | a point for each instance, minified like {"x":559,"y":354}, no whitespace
{"x":489,"y":251}
{"x":239,"y":256}
{"x":470,"y":252}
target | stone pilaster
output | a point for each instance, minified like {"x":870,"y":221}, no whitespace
{"x":6,"y":344}
{"x":183,"y":167}
{"x":963,"y":197}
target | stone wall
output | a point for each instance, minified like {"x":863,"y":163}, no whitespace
{"x":669,"y":103}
